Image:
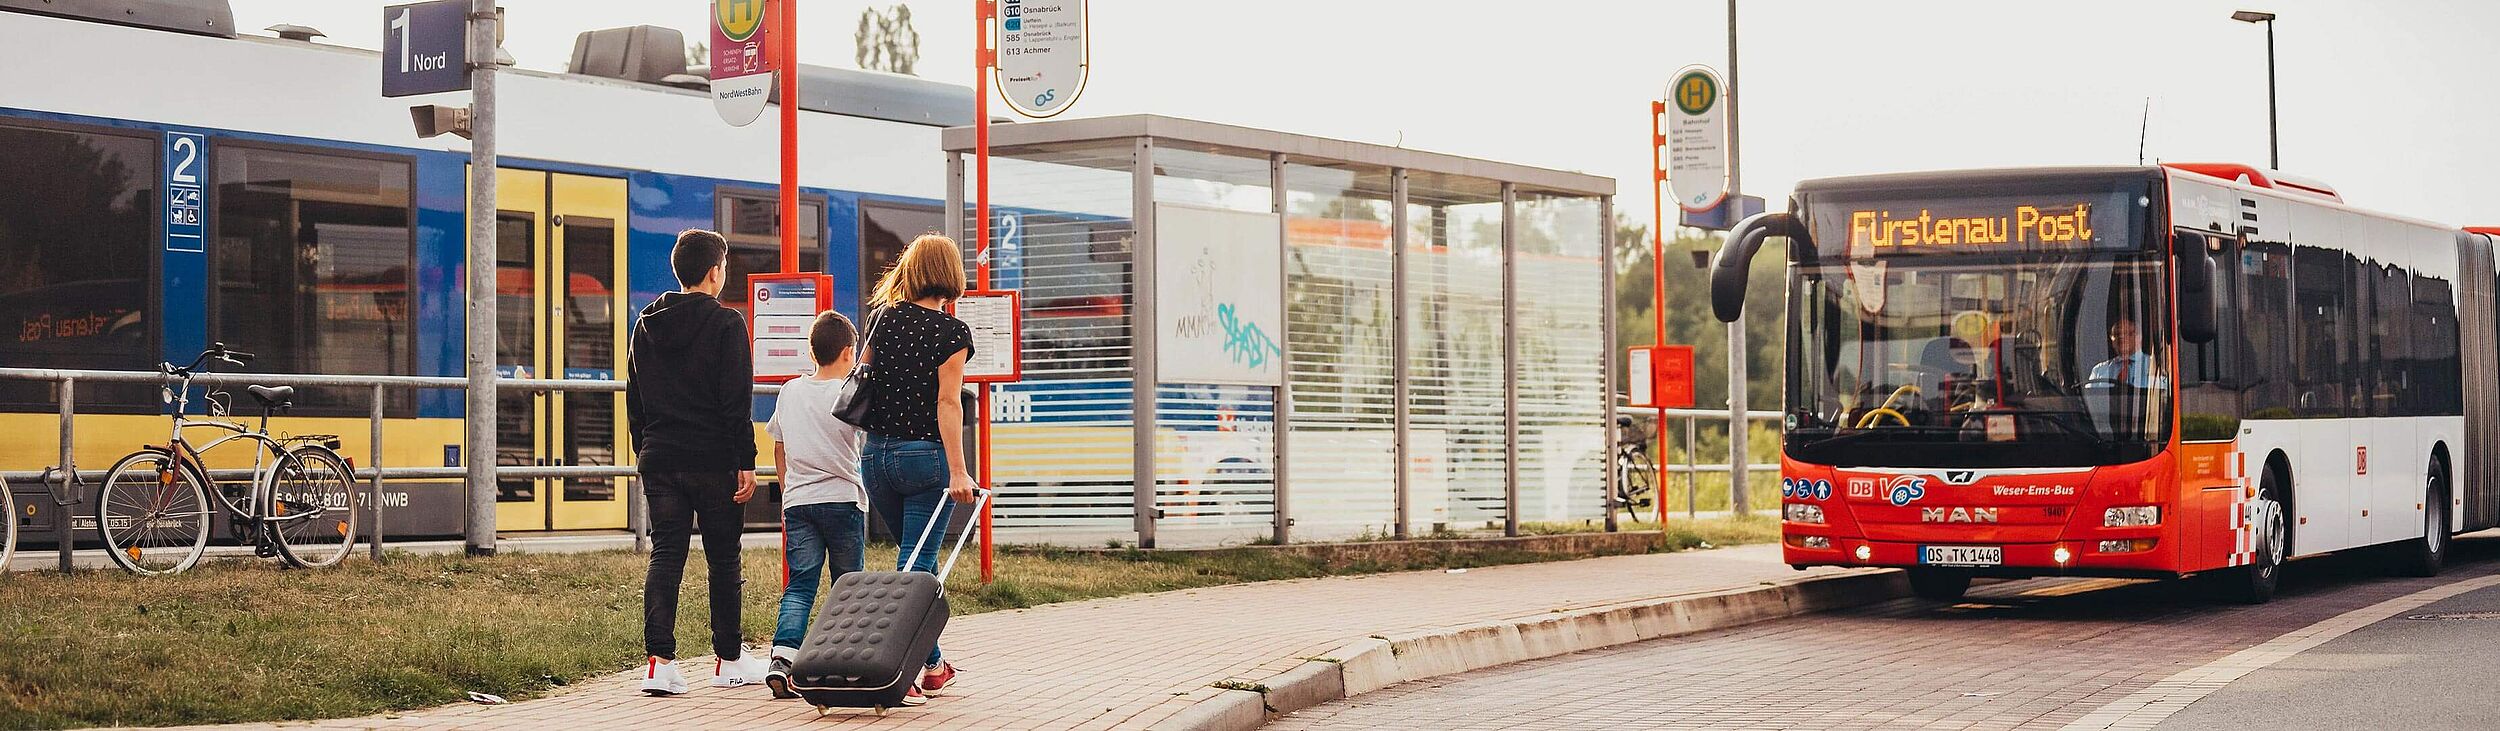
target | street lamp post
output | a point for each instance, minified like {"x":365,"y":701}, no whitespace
{"x":2274,"y":146}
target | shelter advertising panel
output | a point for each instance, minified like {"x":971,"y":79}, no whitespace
{"x":1219,"y":284}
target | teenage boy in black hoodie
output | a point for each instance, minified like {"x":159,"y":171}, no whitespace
{"x":688,"y":396}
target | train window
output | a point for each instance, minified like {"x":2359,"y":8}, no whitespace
{"x":75,"y":276}
{"x":750,"y":220}
{"x":313,"y":251}
{"x":884,"y":230}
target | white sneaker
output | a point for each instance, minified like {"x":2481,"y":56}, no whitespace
{"x":742,"y":671}
{"x":660,"y":677}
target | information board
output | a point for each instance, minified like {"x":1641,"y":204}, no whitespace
{"x":996,"y":318}
{"x":782,"y":308}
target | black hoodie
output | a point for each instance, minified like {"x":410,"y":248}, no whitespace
{"x":689,"y":387}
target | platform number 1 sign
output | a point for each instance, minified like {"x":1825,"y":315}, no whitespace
{"x":425,"y":48}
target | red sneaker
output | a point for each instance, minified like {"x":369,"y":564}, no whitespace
{"x":934,"y":679}
{"x":912,"y":696}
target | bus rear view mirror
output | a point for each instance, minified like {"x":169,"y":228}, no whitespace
{"x":2196,"y":287}
{"x":1728,"y":270}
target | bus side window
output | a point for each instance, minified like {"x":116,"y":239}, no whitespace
{"x":2210,"y":381}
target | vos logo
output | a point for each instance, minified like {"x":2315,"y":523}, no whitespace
{"x":1905,"y":489}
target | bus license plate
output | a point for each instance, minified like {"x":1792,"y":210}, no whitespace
{"x":1961,"y":555}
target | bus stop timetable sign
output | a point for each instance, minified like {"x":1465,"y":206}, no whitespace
{"x":425,"y":48}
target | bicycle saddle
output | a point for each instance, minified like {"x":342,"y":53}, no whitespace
{"x":277,"y":397}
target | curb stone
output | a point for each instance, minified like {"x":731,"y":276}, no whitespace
{"x":1377,"y":662}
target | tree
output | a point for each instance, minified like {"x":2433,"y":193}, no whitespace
{"x":886,"y":40}
{"x":1688,"y":318}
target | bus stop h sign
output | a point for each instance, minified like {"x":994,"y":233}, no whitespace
{"x":425,"y":48}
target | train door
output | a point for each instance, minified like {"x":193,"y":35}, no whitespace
{"x":560,"y":257}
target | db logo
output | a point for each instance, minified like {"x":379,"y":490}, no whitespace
{"x":1905,"y":489}
{"x":1862,"y":487}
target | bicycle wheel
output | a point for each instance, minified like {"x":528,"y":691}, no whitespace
{"x":152,"y":515}
{"x":312,"y":508}
{"x":8,"y":534}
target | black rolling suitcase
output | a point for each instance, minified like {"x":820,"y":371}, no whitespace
{"x":871,"y":636}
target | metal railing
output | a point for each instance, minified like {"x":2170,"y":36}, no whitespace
{"x":1691,"y":468}
{"x":64,"y":481}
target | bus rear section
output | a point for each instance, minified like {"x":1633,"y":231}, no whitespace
{"x":2129,"y":371}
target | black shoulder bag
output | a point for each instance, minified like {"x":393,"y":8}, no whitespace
{"x":852,"y":401}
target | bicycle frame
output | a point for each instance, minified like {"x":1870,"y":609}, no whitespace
{"x":253,"y":510}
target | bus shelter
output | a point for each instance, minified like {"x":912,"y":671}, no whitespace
{"x":1235,"y":335}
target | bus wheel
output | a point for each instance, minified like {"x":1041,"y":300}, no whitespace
{"x":2255,"y":582}
{"x":2424,"y":556}
{"x":1942,"y":585}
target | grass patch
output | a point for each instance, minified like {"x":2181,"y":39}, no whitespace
{"x":236,"y":641}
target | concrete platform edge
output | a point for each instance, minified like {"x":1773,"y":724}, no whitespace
{"x":1380,"y":661}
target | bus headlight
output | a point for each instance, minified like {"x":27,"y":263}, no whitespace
{"x":1803,"y":513}
{"x":2141,"y":515}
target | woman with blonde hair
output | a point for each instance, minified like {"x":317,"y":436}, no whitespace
{"x":914,"y":459}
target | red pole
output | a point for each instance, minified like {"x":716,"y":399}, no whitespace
{"x":983,"y":57}
{"x":786,"y":40}
{"x":1658,"y":288}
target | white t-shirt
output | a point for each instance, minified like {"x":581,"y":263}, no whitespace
{"x":822,"y":451}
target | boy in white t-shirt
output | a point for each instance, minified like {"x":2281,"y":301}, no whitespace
{"x":824,"y":519}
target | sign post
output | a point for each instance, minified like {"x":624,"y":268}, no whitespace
{"x":742,"y":67}
{"x":1697,"y":139}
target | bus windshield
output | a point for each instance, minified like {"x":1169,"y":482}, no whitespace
{"x":2031,"y":358}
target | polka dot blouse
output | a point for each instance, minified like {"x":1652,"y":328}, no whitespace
{"x":906,"y":344}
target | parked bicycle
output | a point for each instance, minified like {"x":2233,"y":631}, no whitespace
{"x":1636,"y":475}
{"x":154,"y":512}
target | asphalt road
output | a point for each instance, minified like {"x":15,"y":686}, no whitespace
{"x":2334,"y":650}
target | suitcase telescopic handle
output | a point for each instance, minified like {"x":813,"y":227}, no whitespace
{"x":969,"y":525}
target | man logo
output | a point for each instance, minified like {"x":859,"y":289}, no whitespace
{"x":1905,"y":489}
{"x":1960,"y":477}
{"x":1862,"y":487}
{"x":1957,"y":515}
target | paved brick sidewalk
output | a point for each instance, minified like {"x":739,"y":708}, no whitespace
{"x":1128,"y":662}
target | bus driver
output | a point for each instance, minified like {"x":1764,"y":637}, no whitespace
{"x":2127,"y":363}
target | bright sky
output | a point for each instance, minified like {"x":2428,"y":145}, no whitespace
{"x":2391,"y":102}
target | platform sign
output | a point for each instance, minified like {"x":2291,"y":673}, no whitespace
{"x":996,"y":318}
{"x":782,"y":309}
{"x":742,"y":69}
{"x":425,"y":48}
{"x":186,"y":165}
{"x":1042,"y":57}
{"x":1697,"y":138}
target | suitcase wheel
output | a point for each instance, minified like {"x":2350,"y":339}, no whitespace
{"x":822,"y":710}
{"x":880,"y":711}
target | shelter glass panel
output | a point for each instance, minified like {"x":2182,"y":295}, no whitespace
{"x":1455,"y":429}
{"x":1061,"y":438}
{"x":1342,"y":447}
{"x":1215,"y":471}
{"x":1562,"y":378}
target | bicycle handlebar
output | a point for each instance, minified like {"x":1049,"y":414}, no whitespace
{"x":217,"y":351}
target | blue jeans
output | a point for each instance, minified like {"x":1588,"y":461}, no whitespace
{"x":907,"y":482}
{"x":813,"y":537}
